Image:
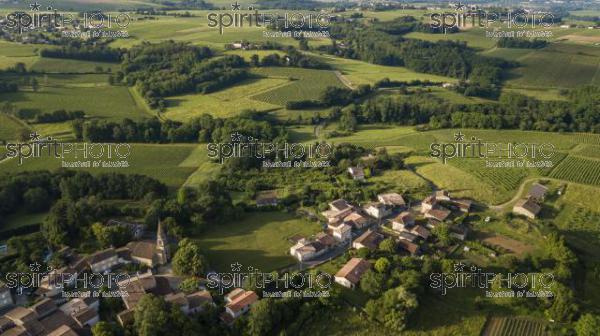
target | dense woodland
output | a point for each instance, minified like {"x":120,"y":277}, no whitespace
{"x":86,"y":51}
{"x":513,"y":111}
{"x":202,"y":129}
{"x":172,"y":68}
{"x":506,"y":42}
{"x":383,"y":44}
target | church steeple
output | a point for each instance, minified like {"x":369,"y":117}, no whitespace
{"x":162,"y":247}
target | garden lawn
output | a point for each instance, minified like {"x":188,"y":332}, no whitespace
{"x":259,"y":240}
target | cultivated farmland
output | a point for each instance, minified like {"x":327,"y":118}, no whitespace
{"x":305,"y":84}
{"x":508,"y":326}
{"x":9,"y":127}
{"x":579,"y":170}
{"x":558,"y":66}
{"x":224,"y":103}
{"x":59,"y":65}
{"x":88,"y":93}
{"x":158,"y":161}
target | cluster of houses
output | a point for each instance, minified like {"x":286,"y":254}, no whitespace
{"x":530,"y":206}
{"x":345,"y":221}
{"x":71,"y":315}
{"x":47,"y":317}
{"x":159,"y":285}
{"x":359,"y":227}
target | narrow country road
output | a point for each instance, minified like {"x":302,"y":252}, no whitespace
{"x":343,"y":79}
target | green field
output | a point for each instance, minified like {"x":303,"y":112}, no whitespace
{"x":59,"y":131}
{"x":22,"y":219}
{"x":194,"y":30}
{"x":89,"y":93}
{"x":511,"y":326}
{"x":259,"y":240}
{"x":474,"y":37}
{"x":9,"y":127}
{"x":557,"y":66}
{"x":588,"y":150}
{"x":509,"y":54}
{"x":12,"y":53}
{"x":359,"y":72}
{"x":470,"y":177}
{"x":157,"y":161}
{"x":305,"y":84}
{"x":205,"y":168}
{"x":579,"y":170}
{"x":59,"y":65}
{"x":457,"y":181}
{"x":224,"y":103}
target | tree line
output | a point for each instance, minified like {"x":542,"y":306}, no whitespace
{"x":513,"y":111}
{"x":506,"y":42}
{"x":36,"y":191}
{"x":202,"y":129}
{"x":78,"y":50}
{"x":385,"y":45}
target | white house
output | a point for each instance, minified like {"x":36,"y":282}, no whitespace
{"x":306,"y":250}
{"x":349,"y":275}
{"x":357,"y":173}
{"x":376,"y":210}
{"x":342,"y":232}
{"x":103,"y":261}
{"x":239,"y":302}
{"x":403,"y":221}
{"x":391,"y":199}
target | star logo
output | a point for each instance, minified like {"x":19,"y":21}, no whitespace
{"x":35,"y":6}
{"x":236,"y":267}
{"x":34,"y":136}
{"x":236,"y":137}
{"x":235,"y":6}
{"x":35,"y":267}
{"x":459,"y":136}
{"x":459,"y":267}
{"x":459,"y":6}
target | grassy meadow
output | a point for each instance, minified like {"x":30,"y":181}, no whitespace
{"x":303,"y":84}
{"x":158,"y":161}
{"x":9,"y":127}
{"x":90,"y":93}
{"x":224,"y":103}
{"x":259,"y":240}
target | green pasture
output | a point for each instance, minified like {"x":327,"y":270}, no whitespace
{"x":61,"y":65}
{"x":158,"y":161}
{"x":359,"y":72}
{"x":89,"y":93}
{"x":557,"y":66}
{"x":224,"y":103}
{"x":205,"y":168}
{"x":259,"y":240}
{"x":9,"y":127}
{"x":304,"y":84}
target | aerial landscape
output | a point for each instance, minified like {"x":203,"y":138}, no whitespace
{"x":299,"y":167}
